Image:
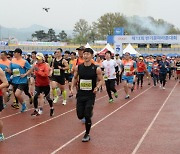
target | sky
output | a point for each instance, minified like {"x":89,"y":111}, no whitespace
{"x":63,"y":14}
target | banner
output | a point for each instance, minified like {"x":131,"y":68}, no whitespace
{"x":27,"y":43}
{"x":2,"y":43}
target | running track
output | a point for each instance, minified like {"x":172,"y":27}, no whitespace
{"x":147,"y":123}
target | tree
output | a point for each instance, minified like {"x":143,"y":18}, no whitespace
{"x":81,"y":30}
{"x":40,"y":35}
{"x":62,"y":36}
{"x":106,"y":23}
{"x":51,"y":35}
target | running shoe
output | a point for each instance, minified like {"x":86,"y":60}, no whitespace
{"x":40,"y":111}
{"x":51,"y":112}
{"x":116,"y":94}
{"x":111,"y":100}
{"x":64,"y":102}
{"x":127,"y":97}
{"x":163,"y":88}
{"x":56,"y":99}
{"x":86,"y":138}
{"x":23,"y":109}
{"x":15,"y":105}
{"x":35,"y":113}
{"x":1,"y":137}
{"x":4,"y":105}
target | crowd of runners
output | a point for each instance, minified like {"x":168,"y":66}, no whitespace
{"x":47,"y":77}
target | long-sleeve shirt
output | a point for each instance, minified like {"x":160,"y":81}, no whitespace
{"x":42,"y":74}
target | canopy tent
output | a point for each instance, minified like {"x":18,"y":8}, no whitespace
{"x":172,"y":55}
{"x":88,"y":46}
{"x":106,"y":48}
{"x":131,"y":50}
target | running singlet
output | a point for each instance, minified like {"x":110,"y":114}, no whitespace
{"x":178,"y":66}
{"x":57,"y":71}
{"x":4,"y":65}
{"x":128,"y":66}
{"x":87,"y":80}
{"x":19,"y":67}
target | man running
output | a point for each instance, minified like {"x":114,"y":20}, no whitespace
{"x":59,"y":65}
{"x":129,"y":67}
{"x":20,"y":69}
{"x":3,"y":84}
{"x":110,"y":66}
{"x":85,"y":77}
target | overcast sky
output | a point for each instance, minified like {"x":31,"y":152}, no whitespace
{"x":63,"y":14}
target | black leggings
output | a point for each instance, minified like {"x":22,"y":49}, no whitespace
{"x":140,"y":78}
{"x":162,"y":78}
{"x":110,"y":86}
{"x":46,"y":91}
{"x":84,"y":108}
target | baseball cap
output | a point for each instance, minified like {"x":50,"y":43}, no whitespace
{"x":81,"y":48}
{"x":18,"y":50}
{"x":40,"y":56}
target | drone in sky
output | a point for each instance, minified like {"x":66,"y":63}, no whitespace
{"x":46,"y":9}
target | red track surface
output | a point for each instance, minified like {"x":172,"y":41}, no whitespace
{"x":147,"y":123}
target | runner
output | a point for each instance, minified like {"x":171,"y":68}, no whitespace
{"x":178,"y":68}
{"x":155,"y":71}
{"x":58,"y":79}
{"x":5,"y":64}
{"x":163,"y":65}
{"x":129,"y":67}
{"x":141,"y":68}
{"x":20,"y":69}
{"x":3,"y":84}
{"x":85,"y":76}
{"x":110,"y":67}
{"x":42,"y":87}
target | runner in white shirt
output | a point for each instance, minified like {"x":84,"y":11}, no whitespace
{"x":110,"y":67}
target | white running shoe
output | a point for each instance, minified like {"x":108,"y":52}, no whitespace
{"x":64,"y":102}
{"x":56,"y":99}
{"x":164,"y":88}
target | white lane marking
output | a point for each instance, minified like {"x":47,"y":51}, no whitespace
{"x":73,"y":139}
{"x":151,"y":124}
{"x":8,"y":116}
{"x":47,"y":120}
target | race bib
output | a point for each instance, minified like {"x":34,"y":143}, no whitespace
{"x":57,"y":72}
{"x":16,"y":72}
{"x":150,"y":64}
{"x":126,"y":69}
{"x":85,"y":84}
{"x":178,"y":68}
{"x":105,"y":78}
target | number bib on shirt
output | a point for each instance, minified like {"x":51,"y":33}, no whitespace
{"x":57,"y":72}
{"x":85,"y":84}
{"x":16,"y":72}
{"x":127,"y":69}
{"x":178,"y":68}
{"x":105,"y":77}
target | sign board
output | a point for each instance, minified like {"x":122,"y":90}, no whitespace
{"x":118,"y":31}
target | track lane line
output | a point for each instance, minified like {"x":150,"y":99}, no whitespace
{"x":11,"y":136}
{"x":74,"y":138}
{"x":152,"y":122}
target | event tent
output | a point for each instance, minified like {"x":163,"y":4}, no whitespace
{"x":106,"y":48}
{"x":88,"y":46}
{"x":131,"y":50}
